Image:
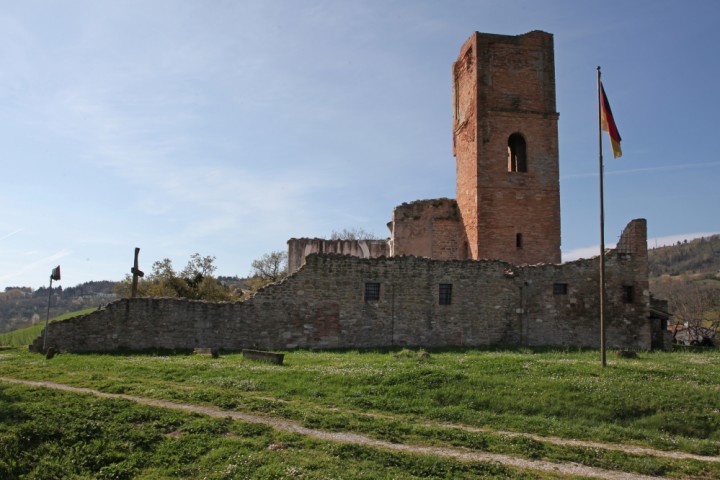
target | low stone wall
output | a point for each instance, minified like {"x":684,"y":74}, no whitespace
{"x":323,"y":305}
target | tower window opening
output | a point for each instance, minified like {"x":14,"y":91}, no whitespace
{"x":628,"y":295}
{"x":519,"y":241}
{"x":517,"y":153}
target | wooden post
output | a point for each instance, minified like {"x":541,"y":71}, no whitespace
{"x":137,"y":273}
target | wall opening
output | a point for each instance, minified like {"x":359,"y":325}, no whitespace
{"x":519,"y":241}
{"x":445,"y":294}
{"x":517,"y":153}
{"x":372,"y":292}
{"x":628,"y":294}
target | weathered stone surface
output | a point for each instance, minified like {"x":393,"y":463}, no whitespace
{"x":428,"y":228}
{"x":322,"y":305}
{"x":299,"y":248}
{"x":262,"y":356}
{"x":210,"y":352}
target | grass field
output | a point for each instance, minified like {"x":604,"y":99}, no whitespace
{"x":460,"y":398}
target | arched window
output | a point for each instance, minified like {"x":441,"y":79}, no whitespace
{"x":517,"y":153}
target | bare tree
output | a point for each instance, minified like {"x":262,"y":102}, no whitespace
{"x":696,"y":310}
{"x":354,"y":233}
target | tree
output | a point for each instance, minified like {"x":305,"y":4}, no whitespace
{"x":195,"y":281}
{"x":695,"y":307}
{"x":355,"y":233}
{"x":199,"y":265}
{"x":270,"y":268}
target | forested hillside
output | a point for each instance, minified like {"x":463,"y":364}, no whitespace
{"x":687,"y":275}
{"x":23,"y":306}
{"x":699,"y":256}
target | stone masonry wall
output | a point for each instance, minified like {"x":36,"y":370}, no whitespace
{"x":323,"y":305}
{"x":428,"y":228}
{"x":299,"y":248}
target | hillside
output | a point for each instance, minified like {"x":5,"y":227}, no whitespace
{"x":687,"y":275}
{"x":23,"y":306}
{"x":699,"y":256}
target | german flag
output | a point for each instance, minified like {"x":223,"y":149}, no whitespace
{"x":608,"y":123}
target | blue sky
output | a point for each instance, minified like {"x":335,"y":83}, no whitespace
{"x":227,"y":127}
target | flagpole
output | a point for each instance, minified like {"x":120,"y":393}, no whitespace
{"x":47,"y":317}
{"x":602,"y":227}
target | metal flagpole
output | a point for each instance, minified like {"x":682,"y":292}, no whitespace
{"x":602,"y":227}
{"x":55,"y":275}
{"x":47,"y":318}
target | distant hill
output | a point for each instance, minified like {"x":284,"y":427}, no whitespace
{"x":699,"y":256}
{"x":22,"y":306}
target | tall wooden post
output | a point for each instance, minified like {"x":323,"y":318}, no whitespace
{"x":137,"y":273}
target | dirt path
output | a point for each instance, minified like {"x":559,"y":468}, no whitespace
{"x":457,"y":453}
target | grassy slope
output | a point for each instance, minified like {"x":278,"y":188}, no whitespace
{"x":663,"y":400}
{"x":25,"y":336}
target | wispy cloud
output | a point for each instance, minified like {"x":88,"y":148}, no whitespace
{"x":8,"y":235}
{"x":39,"y":263}
{"x":664,"y":168}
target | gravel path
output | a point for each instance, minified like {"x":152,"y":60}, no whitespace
{"x":457,"y":453}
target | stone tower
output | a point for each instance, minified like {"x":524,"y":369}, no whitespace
{"x":505,"y":141}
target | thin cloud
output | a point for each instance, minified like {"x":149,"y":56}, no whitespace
{"x":10,"y":234}
{"x":665,"y":168}
{"x":45,"y":262}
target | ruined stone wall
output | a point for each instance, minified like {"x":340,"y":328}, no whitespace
{"x":323,"y":305}
{"x":299,"y":248}
{"x":428,"y":228}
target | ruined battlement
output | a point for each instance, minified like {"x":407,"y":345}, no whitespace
{"x":343,"y":301}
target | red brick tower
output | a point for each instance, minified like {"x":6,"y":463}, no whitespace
{"x":505,"y":142}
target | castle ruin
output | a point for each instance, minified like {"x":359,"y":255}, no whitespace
{"x":482,"y":269}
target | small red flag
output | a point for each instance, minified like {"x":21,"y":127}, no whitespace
{"x":608,"y":123}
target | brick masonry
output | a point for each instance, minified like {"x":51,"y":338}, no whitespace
{"x":505,"y":85}
{"x":322,"y":305}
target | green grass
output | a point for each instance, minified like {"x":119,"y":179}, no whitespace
{"x":23,"y":337}
{"x":663,"y":400}
{"x":48,"y":434}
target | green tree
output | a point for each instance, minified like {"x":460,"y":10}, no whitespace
{"x":195,"y":281}
{"x":270,"y":268}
